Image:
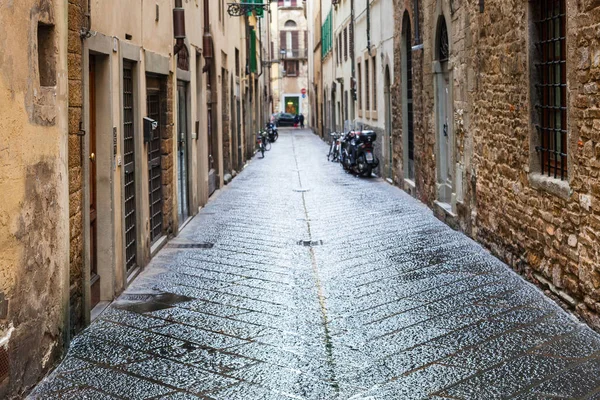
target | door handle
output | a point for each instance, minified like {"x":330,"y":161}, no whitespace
{"x":93,"y":157}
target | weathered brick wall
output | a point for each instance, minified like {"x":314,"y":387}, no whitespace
{"x":75,"y":53}
{"x":549,"y":238}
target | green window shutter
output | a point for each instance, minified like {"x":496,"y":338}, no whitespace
{"x":253,"y":63}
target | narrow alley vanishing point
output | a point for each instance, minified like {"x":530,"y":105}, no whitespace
{"x":300,"y":281}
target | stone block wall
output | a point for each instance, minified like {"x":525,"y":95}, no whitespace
{"x":168,"y":157}
{"x":549,"y":235}
{"x":75,"y":69}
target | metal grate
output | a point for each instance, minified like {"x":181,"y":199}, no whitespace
{"x":4,"y":364}
{"x":191,"y":245}
{"x":310,"y":243}
{"x":552,"y":87}
{"x":129,"y":161}
{"x":155,"y":168}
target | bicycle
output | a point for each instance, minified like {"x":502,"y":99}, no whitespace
{"x":334,"y":147}
{"x":266,"y":140}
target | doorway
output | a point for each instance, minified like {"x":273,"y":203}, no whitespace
{"x":155,"y":100}
{"x":129,"y":170}
{"x":182,"y":153}
{"x":443,"y":113}
{"x":407,"y":100}
{"x":292,"y":105}
{"x":388,"y":122}
{"x":95,"y":295}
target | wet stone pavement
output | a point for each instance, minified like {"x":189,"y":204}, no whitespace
{"x":300,"y":281}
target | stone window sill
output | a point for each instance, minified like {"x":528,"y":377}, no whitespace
{"x":551,"y":185}
{"x":374,"y":115}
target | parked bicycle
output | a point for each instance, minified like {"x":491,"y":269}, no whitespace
{"x":334,"y":147}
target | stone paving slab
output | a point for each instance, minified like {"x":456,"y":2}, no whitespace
{"x":314,"y":284}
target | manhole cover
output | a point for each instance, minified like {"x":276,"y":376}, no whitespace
{"x":310,"y":243}
{"x":191,"y":245}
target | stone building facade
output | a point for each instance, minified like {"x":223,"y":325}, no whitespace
{"x":90,"y":190}
{"x":290,"y":46}
{"x":505,"y":148}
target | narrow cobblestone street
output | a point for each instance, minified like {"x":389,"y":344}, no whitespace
{"x":299,"y":281}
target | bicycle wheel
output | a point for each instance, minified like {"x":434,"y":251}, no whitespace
{"x":330,"y":152}
{"x":267,"y":145}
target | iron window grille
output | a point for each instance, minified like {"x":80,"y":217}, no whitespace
{"x":552,"y":88}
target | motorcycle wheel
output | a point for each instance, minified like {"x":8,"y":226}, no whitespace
{"x":361,"y":167}
{"x":275,"y":137}
{"x":368,"y":172}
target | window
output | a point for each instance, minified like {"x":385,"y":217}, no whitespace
{"x":359,"y":89}
{"x":346,"y":44}
{"x":374,"y":84}
{"x":291,"y":68}
{"x":551,"y":85}
{"x":367,"y":88}
{"x":46,"y":55}
{"x":345,"y":105}
{"x":237,"y":61}
{"x":290,"y":24}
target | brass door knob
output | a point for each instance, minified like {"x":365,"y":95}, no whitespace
{"x":92,"y":157}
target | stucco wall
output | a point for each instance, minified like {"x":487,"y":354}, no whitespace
{"x":34,"y":213}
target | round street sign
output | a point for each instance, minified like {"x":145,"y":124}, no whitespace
{"x":303,"y":91}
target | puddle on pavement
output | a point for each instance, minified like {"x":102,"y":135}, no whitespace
{"x":148,"y":302}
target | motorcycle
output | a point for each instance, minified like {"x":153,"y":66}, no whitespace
{"x":272,"y":131}
{"x":357,"y":152}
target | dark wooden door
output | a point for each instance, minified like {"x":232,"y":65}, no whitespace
{"x":94,"y":277}
{"x":153,"y":102}
{"x":129,"y":164}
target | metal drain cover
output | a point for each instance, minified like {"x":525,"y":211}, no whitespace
{"x":191,"y":245}
{"x":310,"y":243}
{"x":301,"y":190}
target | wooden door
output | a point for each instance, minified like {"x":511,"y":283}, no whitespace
{"x":94,"y":277}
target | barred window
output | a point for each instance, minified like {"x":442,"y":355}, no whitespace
{"x":367,"y":88}
{"x":346,"y":44}
{"x":374,"y":67}
{"x":359,"y":88}
{"x":552,"y":87}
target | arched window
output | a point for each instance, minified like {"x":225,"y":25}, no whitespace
{"x":290,"y":24}
{"x":443,"y":49}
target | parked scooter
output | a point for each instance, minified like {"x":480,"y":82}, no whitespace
{"x":272,"y":131}
{"x":357,"y":152}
